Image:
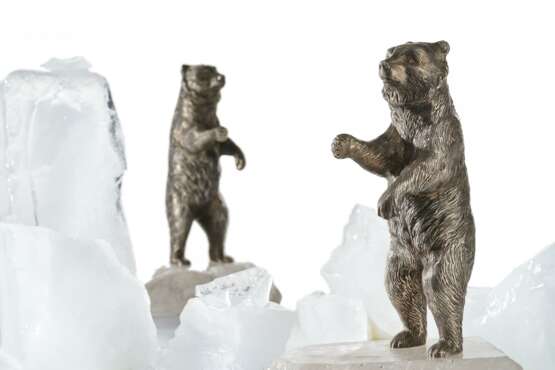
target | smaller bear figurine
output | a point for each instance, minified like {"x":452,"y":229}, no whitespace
{"x":196,"y":143}
{"x":427,"y":201}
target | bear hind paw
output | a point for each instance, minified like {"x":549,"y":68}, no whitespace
{"x":443,"y":349}
{"x":407,"y":339}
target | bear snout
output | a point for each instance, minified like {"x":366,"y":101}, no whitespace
{"x":385,"y":70}
{"x":220,"y":79}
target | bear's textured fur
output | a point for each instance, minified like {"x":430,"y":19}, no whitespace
{"x":427,"y":201}
{"x":196,"y":142}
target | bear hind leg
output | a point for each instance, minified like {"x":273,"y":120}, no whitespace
{"x":446,"y":278}
{"x":404,"y":287}
{"x":180,"y":220}
{"x":214,"y":220}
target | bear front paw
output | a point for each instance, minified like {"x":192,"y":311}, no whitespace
{"x":340,"y":146}
{"x":386,"y":206}
{"x":240,"y":161}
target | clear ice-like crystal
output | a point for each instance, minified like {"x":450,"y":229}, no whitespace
{"x":62,"y":155}
{"x":328,"y":318}
{"x":70,"y":304}
{"x":244,"y":331}
{"x":8,"y":363}
{"x":356,"y":269}
{"x":517,"y":314}
{"x":251,"y":286}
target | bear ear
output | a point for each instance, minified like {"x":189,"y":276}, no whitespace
{"x":184,"y":69}
{"x":389,"y":52}
{"x":443,"y":46}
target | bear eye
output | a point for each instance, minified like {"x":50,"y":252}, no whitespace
{"x":412,"y":59}
{"x":204,"y":76}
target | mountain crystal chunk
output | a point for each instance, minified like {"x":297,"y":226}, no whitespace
{"x":328,"y":318}
{"x":356,"y":269}
{"x":69,"y":304}
{"x":231,"y":326}
{"x":250,"y":286}
{"x":62,"y":157}
{"x":517,"y":314}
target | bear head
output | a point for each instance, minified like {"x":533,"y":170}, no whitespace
{"x":202,"y":80}
{"x":412,"y":72}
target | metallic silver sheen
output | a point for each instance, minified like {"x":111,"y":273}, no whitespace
{"x":427,"y":201}
{"x":196,"y":143}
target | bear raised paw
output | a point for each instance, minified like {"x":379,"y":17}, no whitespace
{"x":427,"y":201}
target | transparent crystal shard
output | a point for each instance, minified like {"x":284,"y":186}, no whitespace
{"x":5,"y":203}
{"x":69,"y":304}
{"x":8,"y":363}
{"x":328,"y":318}
{"x":517,"y":314}
{"x":231,"y":327}
{"x":356,"y":269}
{"x":251,"y":286}
{"x":62,"y":154}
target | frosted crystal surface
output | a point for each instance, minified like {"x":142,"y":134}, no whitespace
{"x":246,"y":332}
{"x":8,"y":363}
{"x":515,"y":316}
{"x":328,"y":318}
{"x":251,"y":286}
{"x":62,"y":154}
{"x":356,"y":269}
{"x":69,"y":304}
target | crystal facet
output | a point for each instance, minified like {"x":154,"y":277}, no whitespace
{"x":230,"y":327}
{"x":328,"y":318}
{"x":356,"y":269}
{"x":63,"y":156}
{"x":69,"y":304}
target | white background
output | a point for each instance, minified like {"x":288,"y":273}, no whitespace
{"x":299,"y":73}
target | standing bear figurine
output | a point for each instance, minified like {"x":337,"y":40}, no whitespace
{"x":427,"y":201}
{"x":196,"y":143}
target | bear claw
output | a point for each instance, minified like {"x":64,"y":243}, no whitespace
{"x":340,"y":146}
{"x":180,"y":261}
{"x":407,"y":339}
{"x":227,"y":259}
{"x":442,"y":349}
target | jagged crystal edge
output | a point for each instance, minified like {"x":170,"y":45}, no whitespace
{"x":25,"y":96}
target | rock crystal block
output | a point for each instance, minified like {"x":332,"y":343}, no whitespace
{"x":328,"y":318}
{"x":69,"y":304}
{"x":8,"y":363}
{"x":234,"y":330}
{"x":171,"y":288}
{"x":376,"y":355}
{"x":62,"y":154}
{"x":517,"y":314}
{"x":356,"y":269}
{"x":248,"y":287}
